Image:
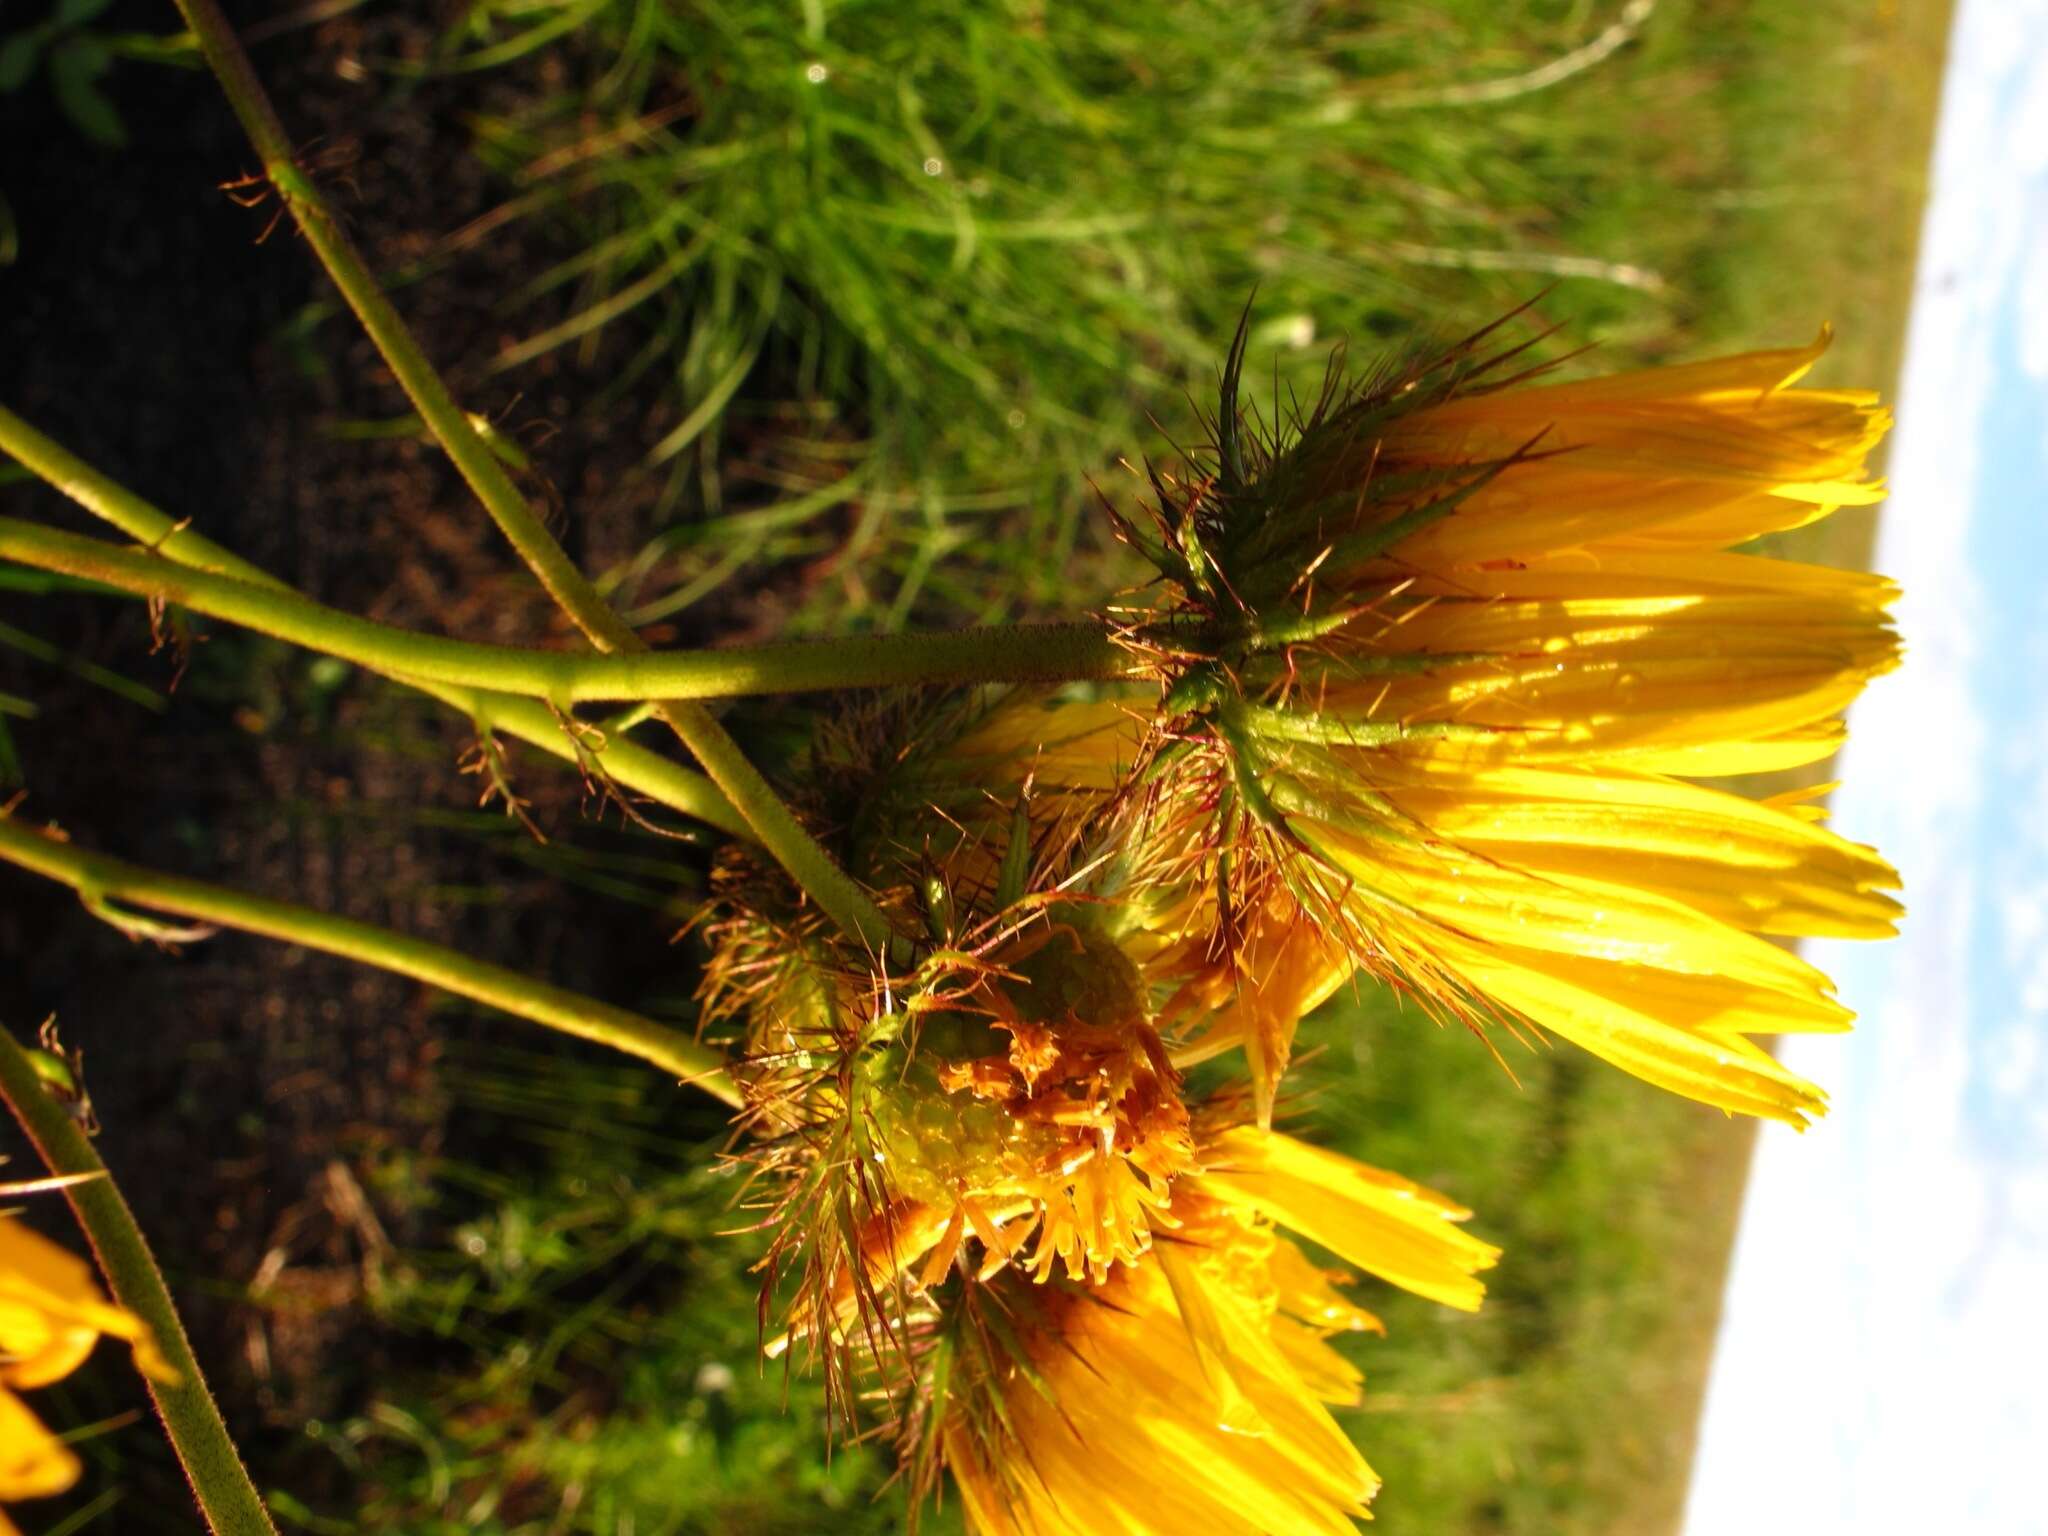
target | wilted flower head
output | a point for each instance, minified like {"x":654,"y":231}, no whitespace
{"x":1439,"y":658}
{"x":994,"y":1204}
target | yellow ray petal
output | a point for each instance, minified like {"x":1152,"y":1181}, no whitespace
{"x":52,"y":1312}
{"x":33,"y":1463}
{"x":1674,"y":1058}
{"x":1604,"y":920}
{"x":1749,"y":864}
{"x":1384,"y":1224}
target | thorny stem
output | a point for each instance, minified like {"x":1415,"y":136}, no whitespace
{"x":1020,"y":653}
{"x":219,"y":1481}
{"x":610,"y":754}
{"x":100,"y":880}
{"x":840,"y":897}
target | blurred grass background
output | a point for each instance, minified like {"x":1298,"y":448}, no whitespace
{"x":929,"y":271}
{"x":885,"y":287}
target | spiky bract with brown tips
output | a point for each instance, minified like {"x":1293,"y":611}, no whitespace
{"x":997,"y":1089}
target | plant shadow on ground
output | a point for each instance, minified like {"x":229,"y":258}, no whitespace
{"x":450,"y":1284}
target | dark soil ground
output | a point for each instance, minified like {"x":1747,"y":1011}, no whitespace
{"x":149,"y":325}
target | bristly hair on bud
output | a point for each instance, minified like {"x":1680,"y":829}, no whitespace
{"x":1438,"y":657}
{"x":1004,"y":1099}
{"x":1273,"y":501}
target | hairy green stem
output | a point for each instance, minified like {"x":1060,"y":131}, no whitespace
{"x":101,"y":880}
{"x":1022,"y":653}
{"x":219,"y":1480}
{"x":110,"y":501}
{"x":422,"y":385}
{"x":605,"y":756}
{"x":605,"y":753}
{"x":840,"y":897}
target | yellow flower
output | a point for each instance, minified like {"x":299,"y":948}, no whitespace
{"x":1190,"y":1391}
{"x":1116,"y":1419}
{"x":51,"y":1315}
{"x":34,"y":1464}
{"x":1009,"y":1101}
{"x":1001,"y":1211}
{"x":1438,"y":667}
{"x":1011,"y":1092}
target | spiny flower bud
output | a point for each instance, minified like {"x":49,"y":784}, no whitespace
{"x":1005,"y":1099}
{"x":1041,"y":1093}
{"x":1015,"y":1094}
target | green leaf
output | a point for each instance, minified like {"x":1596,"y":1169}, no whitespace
{"x":11,"y":774}
{"x":73,"y":68}
{"x":18,"y":59}
{"x":76,"y":13}
{"x":72,"y":72}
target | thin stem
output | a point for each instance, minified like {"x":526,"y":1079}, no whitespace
{"x":101,"y":880}
{"x":422,"y":385}
{"x":609,"y":753}
{"x":109,"y":500}
{"x":1022,"y":653}
{"x":840,"y":897}
{"x":212,"y":1465}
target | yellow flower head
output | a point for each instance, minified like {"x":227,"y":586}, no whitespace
{"x":992,"y":1203}
{"x":1438,"y":664}
{"x":999,"y":1088}
{"x":1012,"y":1089}
{"x":1189,"y":1391}
{"x":51,"y":1315}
